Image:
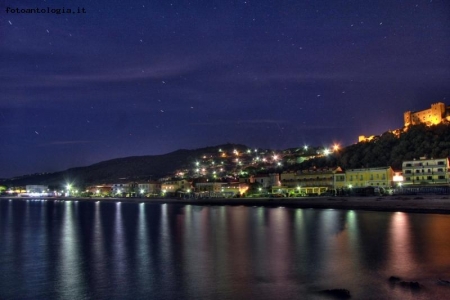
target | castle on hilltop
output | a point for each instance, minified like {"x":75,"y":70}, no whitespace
{"x":438,"y":113}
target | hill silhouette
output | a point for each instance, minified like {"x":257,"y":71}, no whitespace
{"x":388,"y":149}
{"x":119,"y":169}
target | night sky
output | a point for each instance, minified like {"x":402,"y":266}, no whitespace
{"x":151,"y":77}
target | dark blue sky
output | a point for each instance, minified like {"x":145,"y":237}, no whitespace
{"x":154,"y":76}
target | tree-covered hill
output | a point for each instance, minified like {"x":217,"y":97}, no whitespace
{"x":390,"y":150}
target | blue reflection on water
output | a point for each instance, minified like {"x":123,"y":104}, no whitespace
{"x":76,"y":250}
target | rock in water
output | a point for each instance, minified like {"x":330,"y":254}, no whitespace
{"x":338,"y":293}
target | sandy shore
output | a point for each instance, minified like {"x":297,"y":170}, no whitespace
{"x":419,"y":203}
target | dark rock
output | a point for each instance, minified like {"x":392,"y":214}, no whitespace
{"x":444,"y":282}
{"x":414,"y":285}
{"x":338,"y":293}
{"x":394,"y":279}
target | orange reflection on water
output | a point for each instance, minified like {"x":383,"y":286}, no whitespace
{"x":400,"y":251}
{"x":438,"y":246}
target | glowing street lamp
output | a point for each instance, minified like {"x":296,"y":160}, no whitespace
{"x":68,"y":188}
{"x":335,"y":147}
{"x":326,"y":151}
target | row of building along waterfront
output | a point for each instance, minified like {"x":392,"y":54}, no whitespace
{"x":315,"y":181}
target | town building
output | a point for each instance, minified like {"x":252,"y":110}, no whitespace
{"x":121,"y":189}
{"x":100,"y":190}
{"x":339,"y":180}
{"x":250,"y":179}
{"x":426,"y":171}
{"x":268,"y":180}
{"x":209,"y":186}
{"x":36,"y":189}
{"x":364,"y":177}
{"x":173,"y":186}
{"x":150,"y":188}
{"x":314,"y":181}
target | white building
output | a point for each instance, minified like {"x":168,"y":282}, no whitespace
{"x":426,"y":171}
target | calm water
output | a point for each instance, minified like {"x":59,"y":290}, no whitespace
{"x":88,"y":250}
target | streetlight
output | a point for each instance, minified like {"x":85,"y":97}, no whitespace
{"x":68,"y":187}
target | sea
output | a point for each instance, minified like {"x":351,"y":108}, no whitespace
{"x":55,"y":249}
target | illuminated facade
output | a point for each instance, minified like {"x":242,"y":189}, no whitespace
{"x":432,"y":116}
{"x":363,"y":138}
{"x":377,"y":177}
{"x":149,"y":188}
{"x":339,"y":180}
{"x":99,"y":189}
{"x":323,"y":178}
{"x":123,"y":188}
{"x":176,"y":185}
{"x":36,"y":189}
{"x":426,"y":171}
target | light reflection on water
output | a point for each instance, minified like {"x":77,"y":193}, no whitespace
{"x":76,"y":250}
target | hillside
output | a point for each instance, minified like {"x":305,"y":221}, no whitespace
{"x":129,"y":168}
{"x":390,"y":150}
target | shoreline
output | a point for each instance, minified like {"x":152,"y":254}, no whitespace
{"x":439,"y":204}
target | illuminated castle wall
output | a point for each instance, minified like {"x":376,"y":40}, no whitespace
{"x":434,"y":115}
